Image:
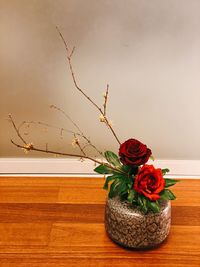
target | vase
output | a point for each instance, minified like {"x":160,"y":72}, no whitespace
{"x":128,"y":226}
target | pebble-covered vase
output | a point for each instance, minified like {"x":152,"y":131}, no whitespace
{"x":129,"y":227}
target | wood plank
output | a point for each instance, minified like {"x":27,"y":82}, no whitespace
{"x":24,"y":234}
{"x":28,"y":194}
{"x":69,"y":235}
{"x":43,"y":189}
{"x":50,"y":181}
{"x":83,"y":213}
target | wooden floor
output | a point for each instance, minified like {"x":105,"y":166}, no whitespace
{"x":60,"y":222}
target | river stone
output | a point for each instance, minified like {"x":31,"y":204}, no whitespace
{"x":130,"y":227}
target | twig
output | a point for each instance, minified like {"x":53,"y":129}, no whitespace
{"x":105,"y":100}
{"x":69,"y":56}
{"x":61,"y":132}
{"x":79,"y":145}
{"x":68,"y":117}
{"x":72,"y":52}
{"x":45,"y":124}
{"x":78,"y":128}
{"x":16,"y":129}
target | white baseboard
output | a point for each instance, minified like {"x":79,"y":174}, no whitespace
{"x":74,"y":167}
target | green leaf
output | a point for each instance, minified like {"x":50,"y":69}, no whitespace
{"x":117,"y":176}
{"x":122,"y":188}
{"x":170,"y":182}
{"x":118,"y":187}
{"x":167,"y":194}
{"x":171,"y":195}
{"x":113,"y":188}
{"x":112,"y":158}
{"x":164,"y":195}
{"x":121,"y":176}
{"x":139,"y":200}
{"x":131,"y":195}
{"x":144,"y":207}
{"x":164,"y":171}
{"x":125,"y":168}
{"x":103,"y":169}
{"x":108,"y":179}
{"x":154,"y":206}
{"x":142,"y":201}
{"x":130,"y":183}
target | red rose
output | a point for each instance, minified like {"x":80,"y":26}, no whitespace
{"x":149,"y":182}
{"x":133,"y":152}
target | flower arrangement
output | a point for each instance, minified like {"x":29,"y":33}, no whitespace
{"x":126,"y":175}
{"x":134,"y":180}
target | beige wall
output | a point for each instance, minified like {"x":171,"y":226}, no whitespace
{"x":148,"y":51}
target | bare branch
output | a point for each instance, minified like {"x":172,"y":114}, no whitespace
{"x":32,"y":147}
{"x":78,"y":128}
{"x":72,"y":52}
{"x":69,"y":56}
{"x":61,"y":132}
{"x":105,"y":100}
{"x":16,"y":129}
{"x":66,"y":46}
{"x":61,"y":129}
{"x":79,"y":145}
{"x":47,"y":125}
{"x":68,"y":117}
